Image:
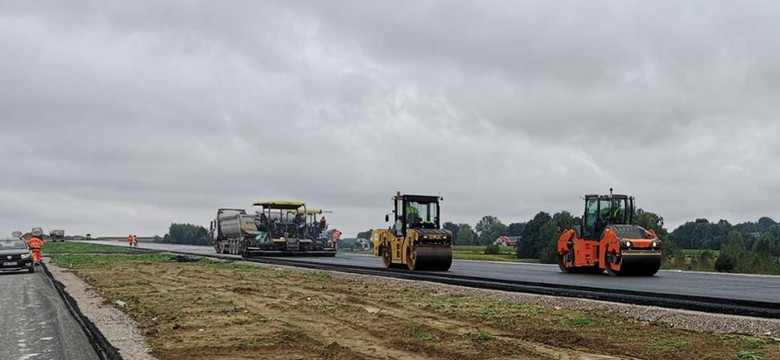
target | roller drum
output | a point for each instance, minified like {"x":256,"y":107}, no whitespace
{"x":639,"y":265}
{"x":433,"y":258}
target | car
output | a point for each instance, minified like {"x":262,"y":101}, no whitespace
{"x":15,"y":254}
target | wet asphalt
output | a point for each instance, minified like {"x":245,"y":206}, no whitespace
{"x":34,"y":322}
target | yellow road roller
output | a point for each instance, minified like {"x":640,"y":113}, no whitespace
{"x":415,"y":239}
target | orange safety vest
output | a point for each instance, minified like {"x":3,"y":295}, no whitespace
{"x":35,"y":243}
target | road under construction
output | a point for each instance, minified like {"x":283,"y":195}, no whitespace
{"x":738,"y":294}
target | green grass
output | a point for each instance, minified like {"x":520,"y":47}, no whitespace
{"x":583,"y":322}
{"x":664,"y":345}
{"x":87,"y":260}
{"x":484,"y":336}
{"x":80,"y":248}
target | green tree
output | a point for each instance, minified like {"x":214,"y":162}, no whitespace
{"x":515,"y":229}
{"x":364,"y":234}
{"x":187,"y":234}
{"x":489,"y":228}
{"x":532,"y":241}
{"x":733,"y":254}
{"x":453,"y":228}
{"x":466,"y":235}
{"x":491,"y":249}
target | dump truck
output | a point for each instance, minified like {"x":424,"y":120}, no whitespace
{"x":57,"y":235}
{"x":270,"y":231}
{"x":608,"y":239}
{"x":415,"y":240}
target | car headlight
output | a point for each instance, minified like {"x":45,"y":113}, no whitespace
{"x":628,"y":243}
{"x":25,"y":256}
{"x":654,"y":244}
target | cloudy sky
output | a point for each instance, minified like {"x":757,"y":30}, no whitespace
{"x":125,"y":116}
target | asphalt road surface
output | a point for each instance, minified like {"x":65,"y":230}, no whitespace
{"x":34,"y":322}
{"x":726,"y":286}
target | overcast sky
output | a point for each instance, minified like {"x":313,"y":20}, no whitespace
{"x":123,"y":117}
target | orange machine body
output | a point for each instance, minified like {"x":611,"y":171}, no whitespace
{"x":609,"y":241}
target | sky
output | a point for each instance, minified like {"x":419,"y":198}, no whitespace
{"x":120,"y":117}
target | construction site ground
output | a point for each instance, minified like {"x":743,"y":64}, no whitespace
{"x":225,"y":310}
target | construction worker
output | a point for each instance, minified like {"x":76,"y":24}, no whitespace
{"x":36,"y":244}
{"x":130,"y":240}
{"x":335,"y":239}
{"x":135,"y":241}
{"x":323,"y":224}
{"x":412,"y":216}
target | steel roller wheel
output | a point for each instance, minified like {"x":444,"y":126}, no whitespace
{"x":613,"y":263}
{"x":386,"y":260}
{"x":562,"y":264}
{"x":411,"y":259}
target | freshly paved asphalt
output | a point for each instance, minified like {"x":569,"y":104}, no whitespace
{"x":34,"y":323}
{"x":717,"y":285}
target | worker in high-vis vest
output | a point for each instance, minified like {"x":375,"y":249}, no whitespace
{"x":335,"y":239}
{"x":35,"y":244}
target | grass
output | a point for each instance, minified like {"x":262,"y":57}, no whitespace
{"x":583,"y":322}
{"x":92,"y":261}
{"x":661,"y":345}
{"x":484,"y":336}
{"x":80,"y":248}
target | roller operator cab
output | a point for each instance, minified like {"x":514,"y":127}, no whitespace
{"x":414,"y":238}
{"x":609,"y":240}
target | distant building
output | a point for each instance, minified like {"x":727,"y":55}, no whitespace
{"x":506,"y":241}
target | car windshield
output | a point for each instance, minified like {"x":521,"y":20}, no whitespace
{"x":12,"y":244}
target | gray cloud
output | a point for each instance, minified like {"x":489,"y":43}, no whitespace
{"x":125,"y":117}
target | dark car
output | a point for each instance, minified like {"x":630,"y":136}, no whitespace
{"x":15,"y":254}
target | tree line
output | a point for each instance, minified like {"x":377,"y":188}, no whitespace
{"x":187,"y":234}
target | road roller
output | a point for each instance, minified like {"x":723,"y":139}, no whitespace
{"x":415,"y":239}
{"x":609,"y":240}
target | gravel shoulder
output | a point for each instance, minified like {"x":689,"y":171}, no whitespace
{"x":117,"y":327}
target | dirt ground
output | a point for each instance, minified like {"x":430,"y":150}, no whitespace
{"x":210,"y":310}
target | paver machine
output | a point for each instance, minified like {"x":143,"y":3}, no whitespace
{"x":268,"y":232}
{"x":415,"y":240}
{"x":316,"y":225}
{"x":609,"y":240}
